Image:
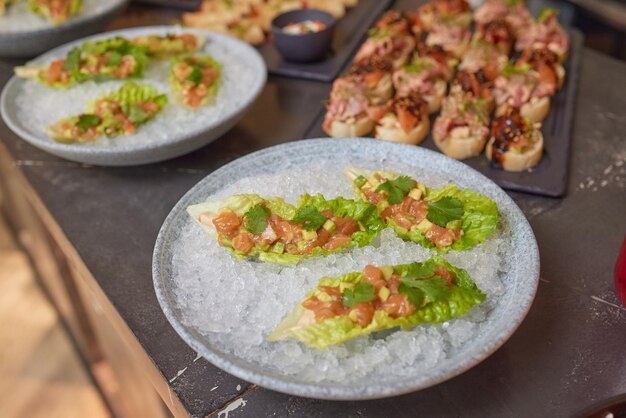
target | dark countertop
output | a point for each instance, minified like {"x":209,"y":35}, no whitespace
{"x":567,"y":354}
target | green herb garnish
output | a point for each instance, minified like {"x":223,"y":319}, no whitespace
{"x":417,"y":66}
{"x":196,"y":75}
{"x":445,"y":210}
{"x":310,"y":218}
{"x":72,"y":60}
{"x":86,"y":121}
{"x":512,"y":69}
{"x":396,"y":189}
{"x":136,"y":114}
{"x":362,"y":292}
{"x":257,"y":219}
{"x":546,"y":13}
{"x":420,"y":271}
{"x":417,"y":290}
{"x":115,"y":59}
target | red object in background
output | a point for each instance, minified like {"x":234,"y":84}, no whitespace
{"x":620,"y":273}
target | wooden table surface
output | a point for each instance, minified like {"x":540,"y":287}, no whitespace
{"x":567,"y":354}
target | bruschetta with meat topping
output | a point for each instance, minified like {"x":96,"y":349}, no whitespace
{"x":346,"y":111}
{"x":461,"y":130}
{"x":436,"y":11}
{"x":453,"y":36}
{"x":546,"y":64}
{"x":118,"y":113}
{"x":375,"y":72}
{"x":275,"y":231}
{"x":439,"y":57}
{"x":56,"y":11}
{"x":171,"y":44}
{"x":195,"y":80}
{"x":424,"y":77}
{"x":113,"y":58}
{"x":397,"y":22}
{"x":514,"y":12}
{"x":474,"y":87}
{"x":546,"y":32}
{"x":405,"y":120}
{"x":485,"y":60}
{"x":515,"y":144}
{"x":444,"y":219}
{"x":498,"y":33}
{"x":520,"y":87}
{"x":379,"y":298}
{"x":396,"y":48}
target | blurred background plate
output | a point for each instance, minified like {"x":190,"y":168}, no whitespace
{"x":34,"y":34}
{"x":243,"y":78}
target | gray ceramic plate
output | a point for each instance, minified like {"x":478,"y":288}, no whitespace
{"x":24,"y":34}
{"x":519,"y":276}
{"x":28,"y":108}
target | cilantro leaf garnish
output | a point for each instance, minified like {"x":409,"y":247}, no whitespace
{"x":115,"y":59}
{"x":86,"y":121}
{"x":362,"y":292}
{"x":310,"y":218}
{"x":72,"y":60}
{"x":431,"y":289}
{"x":445,"y":210}
{"x":417,"y":66}
{"x":420,"y":270}
{"x":257,"y":219}
{"x":136,"y":114}
{"x":512,"y":69}
{"x":196,"y":75}
{"x":396,"y":189}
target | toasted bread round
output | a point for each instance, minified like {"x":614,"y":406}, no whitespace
{"x":514,"y":161}
{"x":388,"y":129}
{"x":459,"y":146}
{"x":360,"y":126}
{"x":434,"y":100}
{"x":383,"y":91}
{"x":536,"y":110}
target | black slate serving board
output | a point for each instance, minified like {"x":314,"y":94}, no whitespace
{"x":549,"y":177}
{"x":349,"y":32}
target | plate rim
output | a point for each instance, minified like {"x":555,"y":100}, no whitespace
{"x":81,"y":154}
{"x":334,"y":391}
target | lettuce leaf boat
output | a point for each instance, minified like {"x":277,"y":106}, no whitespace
{"x":443,"y":219}
{"x":57,"y":11}
{"x":169,"y":45}
{"x":272,"y":230}
{"x":119,"y":112}
{"x":108,"y":59}
{"x":380,"y":298}
{"x":195,"y":80}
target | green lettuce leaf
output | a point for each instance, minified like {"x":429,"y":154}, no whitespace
{"x":364,"y":213}
{"x":479,"y":219}
{"x":441,"y":306}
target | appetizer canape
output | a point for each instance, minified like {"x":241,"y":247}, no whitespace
{"x":474,"y":86}
{"x":515,"y":144}
{"x":114,"y":58}
{"x":496,"y":32}
{"x":484,"y":59}
{"x":393,"y":47}
{"x":546,"y":32}
{"x":170,"y":44}
{"x":520,"y":87}
{"x":346,"y":111}
{"x":444,"y":219}
{"x":421,"y":76}
{"x":546,"y":63}
{"x":118,"y":113}
{"x":461,"y":130}
{"x":437,"y":10}
{"x":439,"y":57}
{"x":375,"y":72}
{"x":514,"y":12}
{"x":405,"y":119}
{"x":400,"y":23}
{"x":379,"y":298}
{"x":275,"y":231}
{"x":453,"y":36}
{"x":56,"y":11}
{"x":195,"y":80}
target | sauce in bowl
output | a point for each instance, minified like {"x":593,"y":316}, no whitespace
{"x":304,"y":27}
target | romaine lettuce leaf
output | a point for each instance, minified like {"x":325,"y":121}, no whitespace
{"x":300,"y":324}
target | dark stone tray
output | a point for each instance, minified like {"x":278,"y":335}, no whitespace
{"x":348,"y":34}
{"x":549,"y":178}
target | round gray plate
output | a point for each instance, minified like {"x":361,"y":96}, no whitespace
{"x":244,"y":75}
{"x":26,"y":42}
{"x":520,"y":280}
